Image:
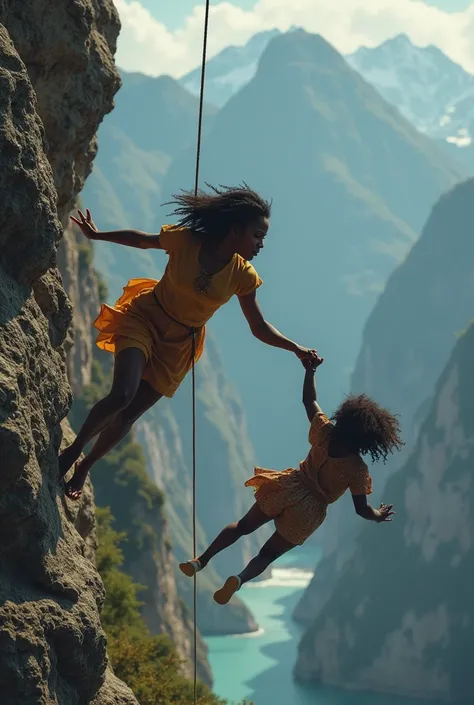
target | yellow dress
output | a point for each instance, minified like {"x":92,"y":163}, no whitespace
{"x":156,"y":316}
{"x":297,"y":499}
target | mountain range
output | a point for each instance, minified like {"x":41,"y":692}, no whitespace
{"x":430,"y":90}
{"x":434,"y":93}
{"x":230,"y":70}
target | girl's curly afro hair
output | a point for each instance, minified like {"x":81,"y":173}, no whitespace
{"x":368,"y":428}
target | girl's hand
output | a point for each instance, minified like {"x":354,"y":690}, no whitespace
{"x":311,"y":363}
{"x":88,"y":229}
{"x":384,"y":513}
{"x":305,"y":353}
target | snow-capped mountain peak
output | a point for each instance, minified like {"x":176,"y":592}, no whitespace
{"x":229,"y":70}
{"x":430,"y":90}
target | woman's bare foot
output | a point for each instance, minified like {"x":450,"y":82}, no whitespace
{"x":67,"y":459}
{"x":75,"y":485}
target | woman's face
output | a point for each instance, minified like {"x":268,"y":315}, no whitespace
{"x":249,"y":240}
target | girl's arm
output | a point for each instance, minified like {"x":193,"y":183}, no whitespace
{"x":364,"y":510}
{"x":130,"y":238}
{"x":267,"y":333}
{"x":309,"y":389}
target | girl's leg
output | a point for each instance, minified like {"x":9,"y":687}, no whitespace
{"x":275,"y":547}
{"x":145,"y":398}
{"x":249,"y":523}
{"x":128,"y":370}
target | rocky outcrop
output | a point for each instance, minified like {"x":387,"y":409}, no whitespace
{"x":52,"y":647}
{"x":401,"y":618}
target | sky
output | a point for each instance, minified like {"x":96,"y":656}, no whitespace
{"x":165,"y":36}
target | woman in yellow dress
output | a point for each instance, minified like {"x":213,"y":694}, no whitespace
{"x":155,"y":326}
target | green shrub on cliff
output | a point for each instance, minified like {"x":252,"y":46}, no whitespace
{"x":148,"y":664}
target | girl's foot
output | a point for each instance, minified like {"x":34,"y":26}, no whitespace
{"x":75,"y":485}
{"x":190,"y":568}
{"x":229,"y":588}
{"x":67,"y":459}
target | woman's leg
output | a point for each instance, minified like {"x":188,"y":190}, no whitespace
{"x":145,"y":398}
{"x":128,"y":370}
{"x":275,"y":547}
{"x":249,"y":523}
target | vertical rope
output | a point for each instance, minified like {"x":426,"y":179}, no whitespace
{"x":193,"y":385}
{"x":196,"y":187}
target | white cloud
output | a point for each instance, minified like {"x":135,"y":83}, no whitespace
{"x":146,"y":45}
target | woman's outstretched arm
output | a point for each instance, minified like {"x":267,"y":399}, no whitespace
{"x":129,"y":238}
{"x":267,"y":333}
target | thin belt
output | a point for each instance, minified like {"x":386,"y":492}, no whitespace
{"x":192,"y":330}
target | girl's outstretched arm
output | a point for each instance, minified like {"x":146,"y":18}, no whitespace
{"x":309,"y":388}
{"x":264,"y":331}
{"x":366,"y":511}
{"x":130,"y":238}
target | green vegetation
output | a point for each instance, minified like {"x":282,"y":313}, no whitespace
{"x":148,"y":664}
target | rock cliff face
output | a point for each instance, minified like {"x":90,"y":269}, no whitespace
{"x":401,"y":617}
{"x":57,"y":80}
{"x":425,"y":305}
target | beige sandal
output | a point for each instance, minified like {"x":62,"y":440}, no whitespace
{"x":229,"y":588}
{"x":190,"y":568}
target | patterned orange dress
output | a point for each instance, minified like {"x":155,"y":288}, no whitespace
{"x":156,"y":316}
{"x":297,"y":499}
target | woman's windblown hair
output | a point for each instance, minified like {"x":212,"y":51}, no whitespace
{"x":213,"y":214}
